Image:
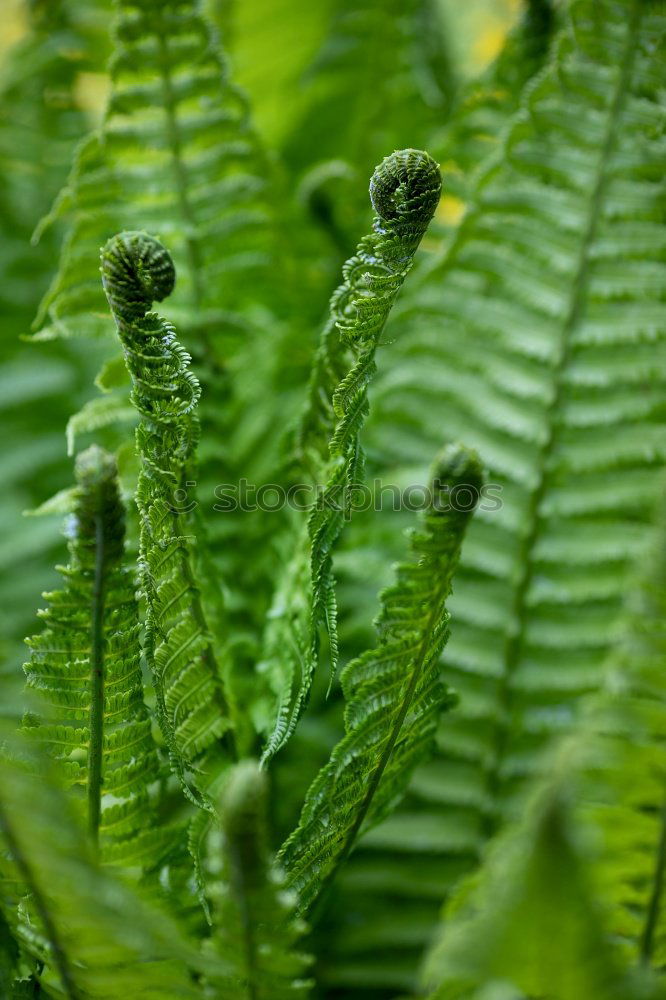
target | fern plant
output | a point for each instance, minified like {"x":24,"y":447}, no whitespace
{"x":468,"y":799}
{"x":85,"y":668}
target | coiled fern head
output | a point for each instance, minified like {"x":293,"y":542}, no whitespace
{"x":137,"y":270}
{"x":404,"y":191}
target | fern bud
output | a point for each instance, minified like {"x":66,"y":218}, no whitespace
{"x":457,"y":479}
{"x":98,"y":507}
{"x":404,"y":191}
{"x":137,"y":270}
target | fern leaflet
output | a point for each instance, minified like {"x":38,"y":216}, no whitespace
{"x":589,"y":855}
{"x":88,"y":935}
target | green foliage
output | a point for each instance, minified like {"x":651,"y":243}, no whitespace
{"x":393,"y":693}
{"x":404,"y":191}
{"x":40,"y":122}
{"x":511,"y":770}
{"x":84,"y":667}
{"x":254,"y":929}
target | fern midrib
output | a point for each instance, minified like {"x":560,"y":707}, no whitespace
{"x":387,"y":752}
{"x":654,"y":905}
{"x":41,"y":905}
{"x":95,"y":748}
{"x":247,"y":925}
{"x":515,"y":639}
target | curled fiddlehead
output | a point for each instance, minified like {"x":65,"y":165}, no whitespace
{"x":192,"y":708}
{"x":404,"y":191}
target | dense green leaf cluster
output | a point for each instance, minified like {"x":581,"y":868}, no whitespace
{"x":472,"y":806}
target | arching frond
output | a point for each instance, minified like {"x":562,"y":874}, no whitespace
{"x":85,"y":671}
{"x":394,"y":694}
{"x":192,"y":707}
{"x":404,"y":190}
{"x":255,"y":932}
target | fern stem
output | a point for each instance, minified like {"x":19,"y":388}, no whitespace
{"x":525,"y":559}
{"x":96,"y":685}
{"x":654,"y":906}
{"x":41,"y":905}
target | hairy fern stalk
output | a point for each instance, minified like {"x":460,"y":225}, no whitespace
{"x":210,"y":743}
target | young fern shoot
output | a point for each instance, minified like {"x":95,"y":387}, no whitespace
{"x":85,"y":669}
{"x":404,"y":191}
{"x":193,"y":710}
{"x":394,"y":692}
{"x":255,"y":932}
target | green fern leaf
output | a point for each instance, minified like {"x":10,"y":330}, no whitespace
{"x":255,"y":932}
{"x":192,"y":707}
{"x":85,"y":670}
{"x":404,"y":190}
{"x":394,"y":693}
{"x":485,"y":106}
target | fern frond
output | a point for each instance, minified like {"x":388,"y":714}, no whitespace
{"x":91,"y":936}
{"x":175,"y":154}
{"x":404,"y":191}
{"x":192,"y":708}
{"x":528,"y":343}
{"x":85,"y":671}
{"x":394,"y":693}
{"x":255,"y":931}
{"x":590,"y":851}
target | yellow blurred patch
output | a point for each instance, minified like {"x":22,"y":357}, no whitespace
{"x":450,"y":210}
{"x":91,"y":91}
{"x":13,"y":23}
{"x":489,"y":43}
